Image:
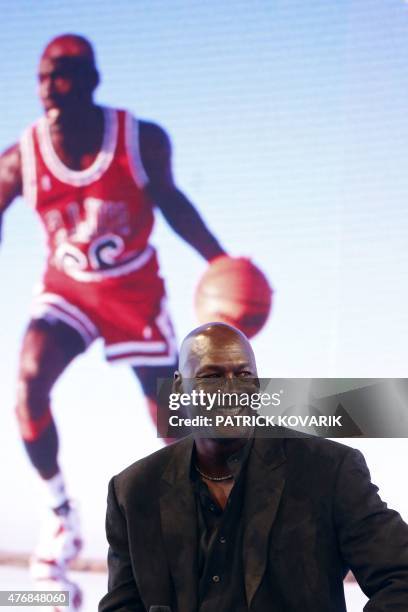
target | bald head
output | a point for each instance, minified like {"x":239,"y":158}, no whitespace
{"x":70,"y":45}
{"x":216,"y":348}
{"x":67,"y":75}
{"x":217,"y":358}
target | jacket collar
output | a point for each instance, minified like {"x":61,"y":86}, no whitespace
{"x":179,"y":525}
{"x":265,"y":479}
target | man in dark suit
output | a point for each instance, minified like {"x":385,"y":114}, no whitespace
{"x":249,"y":524}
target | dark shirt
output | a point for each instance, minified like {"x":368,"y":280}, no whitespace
{"x":221,"y":586}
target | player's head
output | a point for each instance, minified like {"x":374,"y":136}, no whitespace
{"x":217,"y":357}
{"x":216,"y":349}
{"x":67,"y":73}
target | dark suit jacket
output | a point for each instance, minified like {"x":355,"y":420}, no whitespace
{"x":310,"y":513}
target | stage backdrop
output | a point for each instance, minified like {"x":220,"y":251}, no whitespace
{"x":289,"y":126}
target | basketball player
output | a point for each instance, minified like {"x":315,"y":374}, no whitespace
{"x":94,"y":175}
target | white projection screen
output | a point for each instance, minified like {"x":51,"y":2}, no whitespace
{"x":289,"y":128}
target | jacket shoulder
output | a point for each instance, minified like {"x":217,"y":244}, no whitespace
{"x":319,"y":446}
{"x":315,"y":448}
{"x":316,"y":459}
{"x":145,"y":474}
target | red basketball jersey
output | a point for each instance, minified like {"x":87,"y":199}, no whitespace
{"x":98,"y":220}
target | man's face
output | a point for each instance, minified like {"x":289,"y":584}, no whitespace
{"x":64,"y":82}
{"x":221,"y":364}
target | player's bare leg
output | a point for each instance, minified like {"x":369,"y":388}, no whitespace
{"x":148,"y":377}
{"x":47,"y":349}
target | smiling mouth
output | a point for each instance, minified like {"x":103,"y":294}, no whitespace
{"x":230,"y":411}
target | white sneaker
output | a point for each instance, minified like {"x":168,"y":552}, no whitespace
{"x":60,"y":542}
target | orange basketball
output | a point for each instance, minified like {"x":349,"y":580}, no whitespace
{"x":233,"y":290}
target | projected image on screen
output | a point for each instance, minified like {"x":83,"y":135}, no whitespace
{"x":165,"y":165}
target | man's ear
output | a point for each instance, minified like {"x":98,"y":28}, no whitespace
{"x":177,"y":386}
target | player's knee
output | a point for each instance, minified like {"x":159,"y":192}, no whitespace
{"x":33,"y":402}
{"x":33,"y":385}
{"x":33,"y":419}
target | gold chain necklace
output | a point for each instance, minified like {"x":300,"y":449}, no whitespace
{"x":214,"y":478}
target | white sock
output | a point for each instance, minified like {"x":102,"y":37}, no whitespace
{"x":55,"y":490}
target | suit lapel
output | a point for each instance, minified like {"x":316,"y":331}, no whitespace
{"x":179,"y":526}
{"x":265,"y":479}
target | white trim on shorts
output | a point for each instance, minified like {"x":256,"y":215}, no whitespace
{"x":169,"y":347}
{"x":146,"y":360}
{"x":146,"y":346}
{"x":50,"y":306}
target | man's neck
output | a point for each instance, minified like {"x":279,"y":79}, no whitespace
{"x":212,"y":454}
{"x":77,"y":135}
{"x":79,"y":120}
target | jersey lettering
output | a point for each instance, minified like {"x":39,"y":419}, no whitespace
{"x":96,"y":218}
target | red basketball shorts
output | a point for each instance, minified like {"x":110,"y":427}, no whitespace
{"x":128,"y":312}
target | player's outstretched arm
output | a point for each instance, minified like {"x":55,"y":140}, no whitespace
{"x":10,"y":178}
{"x":179,"y":212}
